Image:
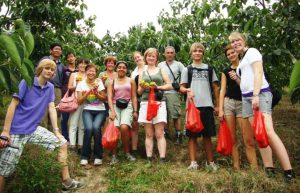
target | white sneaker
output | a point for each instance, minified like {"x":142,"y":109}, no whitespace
{"x":84,"y":162}
{"x":130,"y":157}
{"x":211,"y":166}
{"x":97,"y":162}
{"x":193,"y":166}
{"x":114,"y":160}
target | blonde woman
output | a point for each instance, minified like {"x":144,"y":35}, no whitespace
{"x":256,"y":94}
{"x":157,"y":124}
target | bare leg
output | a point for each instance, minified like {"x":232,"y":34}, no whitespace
{"x":134,"y":135}
{"x":231,"y":122}
{"x":192,"y":148}
{"x":161,"y":141}
{"x":62,"y":158}
{"x":2,"y":184}
{"x":125,"y":137}
{"x":248,"y":138}
{"x":266,"y":153}
{"x":149,"y":131}
{"x":208,"y":149}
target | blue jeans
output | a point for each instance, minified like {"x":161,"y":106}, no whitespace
{"x":92,"y":121}
{"x":64,"y":125}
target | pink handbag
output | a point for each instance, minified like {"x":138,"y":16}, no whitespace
{"x":68,"y":104}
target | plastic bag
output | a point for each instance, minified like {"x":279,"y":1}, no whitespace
{"x":152,"y":107}
{"x":259,"y":129}
{"x":225,"y":144}
{"x":110,"y":136}
{"x":193,"y":120}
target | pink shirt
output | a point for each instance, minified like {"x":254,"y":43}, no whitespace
{"x":122,"y":91}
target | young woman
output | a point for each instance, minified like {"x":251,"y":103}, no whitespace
{"x":157,"y":124}
{"x":256,"y":94}
{"x":140,"y":67}
{"x":91,"y":93}
{"x":231,"y":109}
{"x":76,"y":117}
{"x":122,"y":88}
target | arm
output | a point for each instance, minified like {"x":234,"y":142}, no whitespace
{"x":185,"y":90}
{"x":110,"y":95}
{"x":70,"y":83}
{"x":141,"y":88}
{"x":8,"y":120}
{"x":167,"y":85}
{"x":216,"y":96}
{"x":134,"y":99}
{"x":258,"y":74}
{"x":222,"y":95}
{"x":235,"y":77}
{"x":53,"y":119}
{"x":82,"y":97}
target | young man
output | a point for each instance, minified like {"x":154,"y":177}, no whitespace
{"x":22,"y":120}
{"x":199,"y":81}
{"x":57,"y":80}
{"x":67,"y":71}
{"x":174,"y":69}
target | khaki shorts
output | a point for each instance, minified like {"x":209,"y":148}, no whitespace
{"x":124,"y":116}
{"x":160,"y":117}
{"x":173,"y":105}
{"x":233,"y":107}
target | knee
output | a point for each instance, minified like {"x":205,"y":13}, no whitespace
{"x":159,"y":136}
{"x":149,"y":136}
{"x":249,"y":142}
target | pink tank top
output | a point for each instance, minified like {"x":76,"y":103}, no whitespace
{"x":122,"y":91}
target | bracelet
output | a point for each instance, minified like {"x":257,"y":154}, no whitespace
{"x":56,"y":129}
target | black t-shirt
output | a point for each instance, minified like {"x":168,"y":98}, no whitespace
{"x":66,"y":76}
{"x":233,"y":90}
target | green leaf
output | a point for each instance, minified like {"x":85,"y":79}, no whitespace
{"x":3,"y":83}
{"x":7,"y":44}
{"x":295,"y":77}
{"x":29,"y":42}
{"x":295,"y":97}
{"x":25,"y":75}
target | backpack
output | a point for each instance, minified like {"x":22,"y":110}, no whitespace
{"x":190,"y":69}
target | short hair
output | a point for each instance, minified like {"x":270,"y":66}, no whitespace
{"x":228,"y":47}
{"x":196,"y":45}
{"x":236,"y":36}
{"x":69,"y":53}
{"x":54,"y":45}
{"x":121,"y":62}
{"x":43,"y":64}
{"x":83,"y":60}
{"x":152,"y":51}
{"x":170,"y":47}
{"x":110,"y":58}
{"x":91,"y":66}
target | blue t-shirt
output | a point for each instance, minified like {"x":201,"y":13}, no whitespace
{"x":32,"y":107}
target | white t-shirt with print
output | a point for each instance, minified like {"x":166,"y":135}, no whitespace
{"x":200,"y":85}
{"x":247,"y":74}
{"x":92,"y":102}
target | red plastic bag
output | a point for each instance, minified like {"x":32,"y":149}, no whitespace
{"x":110,"y":136}
{"x":152,"y":107}
{"x":193,"y":120}
{"x":259,"y":129}
{"x":225,"y":144}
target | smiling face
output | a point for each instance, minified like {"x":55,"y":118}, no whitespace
{"x":47,"y":72}
{"x":71,"y":58}
{"x":138,"y":58}
{"x":232,"y":55}
{"x":121,"y":70}
{"x":91,"y":73}
{"x":110,"y":65}
{"x":197,"y":54}
{"x":56,"y":52}
{"x":151,"y":56}
{"x":170,"y":54}
{"x":81,"y":67}
{"x":238,"y":42}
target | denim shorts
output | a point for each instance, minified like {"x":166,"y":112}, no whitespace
{"x":265,"y":104}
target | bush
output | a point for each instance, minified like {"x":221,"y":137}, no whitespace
{"x":38,"y":171}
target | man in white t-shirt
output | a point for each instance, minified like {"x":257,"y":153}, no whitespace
{"x":173,"y":68}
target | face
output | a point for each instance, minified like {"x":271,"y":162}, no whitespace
{"x":170,"y":54}
{"x":238,"y":45}
{"x":121,"y":70}
{"x":232,"y":55}
{"x":47,"y":72}
{"x":110,"y":65}
{"x":91,"y":73}
{"x":151,"y":59}
{"x":56,"y":52}
{"x":81,"y":67}
{"x":138,"y":58}
{"x":71,"y":59}
{"x":197,"y":54}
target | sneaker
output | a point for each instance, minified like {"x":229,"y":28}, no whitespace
{"x":193,"y":166}
{"x":84,"y":162}
{"x":130,"y":157}
{"x":270,"y":172}
{"x":74,"y":185}
{"x":178,"y":138}
{"x":212,"y":167}
{"x":166,"y":133}
{"x":289,"y":176}
{"x":114,"y":160}
{"x":149,"y":162}
{"x":162,"y":160}
{"x":97,"y":162}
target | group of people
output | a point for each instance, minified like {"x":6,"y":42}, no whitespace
{"x":113,"y":96}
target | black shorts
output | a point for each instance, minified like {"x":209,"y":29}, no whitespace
{"x":208,"y":121}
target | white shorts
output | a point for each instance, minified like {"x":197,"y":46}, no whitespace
{"x":160,"y":117}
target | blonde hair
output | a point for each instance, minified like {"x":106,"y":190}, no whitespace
{"x":196,"y":45}
{"x":152,"y":51}
{"x":237,"y":36}
{"x":43,"y":64}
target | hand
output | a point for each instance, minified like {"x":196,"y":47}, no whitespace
{"x":4,"y":143}
{"x":135,"y":116}
{"x":112,"y":115}
{"x":221,"y":115}
{"x":255,"y":102}
{"x":233,"y":75}
{"x":216,"y":110}
{"x":190,"y":94}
